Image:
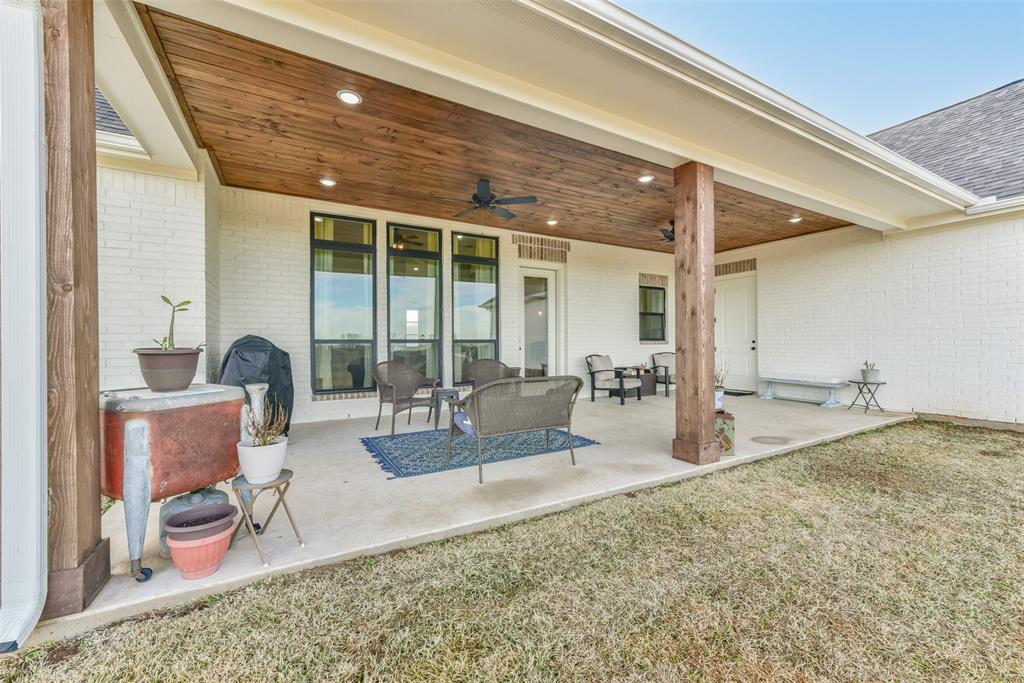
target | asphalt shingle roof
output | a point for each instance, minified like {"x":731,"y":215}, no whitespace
{"x":977,"y":144}
{"x":107,"y":119}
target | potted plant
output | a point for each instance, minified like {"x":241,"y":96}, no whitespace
{"x":199,"y":538}
{"x":721,"y":372}
{"x":166,"y":367}
{"x":261,"y":452}
{"x":868,"y":373}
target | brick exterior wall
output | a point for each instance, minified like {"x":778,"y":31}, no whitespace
{"x":940,"y":312}
{"x":151,"y":241}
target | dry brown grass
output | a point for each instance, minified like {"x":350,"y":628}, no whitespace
{"x":895,"y":555}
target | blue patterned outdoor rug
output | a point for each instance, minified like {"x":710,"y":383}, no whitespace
{"x":416,"y":453}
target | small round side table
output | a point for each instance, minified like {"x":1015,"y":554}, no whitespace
{"x":281,"y":485}
{"x":866,"y":395}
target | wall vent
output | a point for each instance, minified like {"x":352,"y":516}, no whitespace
{"x":538,"y":248}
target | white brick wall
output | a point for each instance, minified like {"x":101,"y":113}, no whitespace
{"x":268,"y":235}
{"x":151,"y":242}
{"x":941,"y":313}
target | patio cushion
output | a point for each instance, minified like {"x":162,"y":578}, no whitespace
{"x":603,"y":369}
{"x":462,"y":420}
{"x":628,"y":383}
{"x":662,"y":361}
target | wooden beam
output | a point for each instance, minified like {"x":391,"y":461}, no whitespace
{"x":79,"y":560}
{"x":695,"y":314}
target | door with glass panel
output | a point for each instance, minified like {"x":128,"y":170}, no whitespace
{"x":538,"y":323}
{"x":343,"y":334}
{"x":474,"y":301}
{"x":414,"y":297}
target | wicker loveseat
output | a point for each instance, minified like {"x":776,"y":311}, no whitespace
{"x":514,"y":406}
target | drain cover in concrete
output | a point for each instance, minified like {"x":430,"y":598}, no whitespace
{"x":772,"y":440}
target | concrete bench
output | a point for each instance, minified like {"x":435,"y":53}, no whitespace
{"x":830,"y":383}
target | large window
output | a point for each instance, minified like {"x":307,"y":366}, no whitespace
{"x":474,"y":301}
{"x":343,"y":302}
{"x":652,"y":314}
{"x":414,"y":297}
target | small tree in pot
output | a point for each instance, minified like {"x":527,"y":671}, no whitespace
{"x":263,"y":447}
{"x":166,"y":367}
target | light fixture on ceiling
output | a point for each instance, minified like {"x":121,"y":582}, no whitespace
{"x":349,"y":97}
{"x":552,"y":222}
{"x":328,"y":182}
{"x":646,"y":178}
{"x":795,"y":219}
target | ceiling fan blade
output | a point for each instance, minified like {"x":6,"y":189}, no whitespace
{"x":504,"y":213}
{"x":465,"y":212}
{"x":515,"y":200}
{"x":669,"y":235}
{"x":453,"y":199}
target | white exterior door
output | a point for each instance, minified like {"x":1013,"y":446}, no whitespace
{"x":736,"y":329}
{"x":539,"y":323}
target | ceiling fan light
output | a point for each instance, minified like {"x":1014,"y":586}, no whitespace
{"x":350,"y":97}
{"x":645,"y":178}
{"x":328,"y":182}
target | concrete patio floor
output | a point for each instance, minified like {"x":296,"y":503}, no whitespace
{"x":346,"y":506}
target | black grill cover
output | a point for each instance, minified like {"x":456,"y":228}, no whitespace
{"x":254,"y":359}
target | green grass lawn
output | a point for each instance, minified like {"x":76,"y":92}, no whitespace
{"x":895,"y":555}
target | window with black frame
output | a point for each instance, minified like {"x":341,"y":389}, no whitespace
{"x":414,"y":297}
{"x":343,"y":302}
{"x":652,"y":313}
{"x":474,"y":301}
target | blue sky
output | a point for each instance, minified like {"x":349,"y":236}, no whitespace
{"x":864,"y":64}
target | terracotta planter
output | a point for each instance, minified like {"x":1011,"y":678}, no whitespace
{"x":261,"y":464}
{"x":198,"y":549}
{"x":168,"y":370}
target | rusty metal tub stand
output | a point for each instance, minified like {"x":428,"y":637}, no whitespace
{"x":246,"y":495}
{"x":156,"y":445}
{"x":725,"y":432}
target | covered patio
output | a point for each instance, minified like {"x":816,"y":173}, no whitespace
{"x":347,"y":506}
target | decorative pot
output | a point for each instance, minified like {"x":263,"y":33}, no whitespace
{"x":168,"y":369}
{"x":869,"y":375}
{"x":261,"y":464}
{"x":719,"y":398}
{"x":199,"y":538}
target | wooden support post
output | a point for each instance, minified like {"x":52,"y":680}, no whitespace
{"x":79,"y":559}
{"x":695,"y":314}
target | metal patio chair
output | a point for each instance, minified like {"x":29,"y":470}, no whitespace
{"x":606,"y":377}
{"x":514,"y":406}
{"x":664,"y":367}
{"x":397,"y":384}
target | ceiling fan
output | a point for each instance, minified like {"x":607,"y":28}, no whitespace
{"x":669,"y":233}
{"x":483,"y":198}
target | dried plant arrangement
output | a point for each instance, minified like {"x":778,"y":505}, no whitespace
{"x":266,"y":429}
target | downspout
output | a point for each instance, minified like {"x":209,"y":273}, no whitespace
{"x":23,"y":466}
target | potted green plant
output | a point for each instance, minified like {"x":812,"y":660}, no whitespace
{"x":721,"y":372}
{"x":199,"y":538}
{"x":263,"y":447}
{"x":166,"y":367}
{"x":868,"y":373}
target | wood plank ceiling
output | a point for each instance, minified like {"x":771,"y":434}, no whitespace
{"x":271,"y":121}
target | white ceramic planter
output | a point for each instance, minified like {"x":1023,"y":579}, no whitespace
{"x":719,"y":398}
{"x":261,"y":464}
{"x":869,"y":375}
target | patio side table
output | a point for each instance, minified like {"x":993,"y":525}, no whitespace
{"x":246,"y":494}
{"x":866,"y":395}
{"x":439,"y":396}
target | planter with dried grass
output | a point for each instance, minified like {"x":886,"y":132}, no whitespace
{"x":261,"y":456}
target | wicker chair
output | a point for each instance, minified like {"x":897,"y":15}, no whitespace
{"x":485,"y":371}
{"x":514,"y":406}
{"x":605,"y":376}
{"x":664,"y":367}
{"x":397,"y":384}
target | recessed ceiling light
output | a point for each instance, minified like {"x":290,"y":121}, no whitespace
{"x":795,"y":219}
{"x":646,"y":178}
{"x":552,"y":222}
{"x":328,"y":182}
{"x":349,"y":97}
{"x":458,"y":237}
